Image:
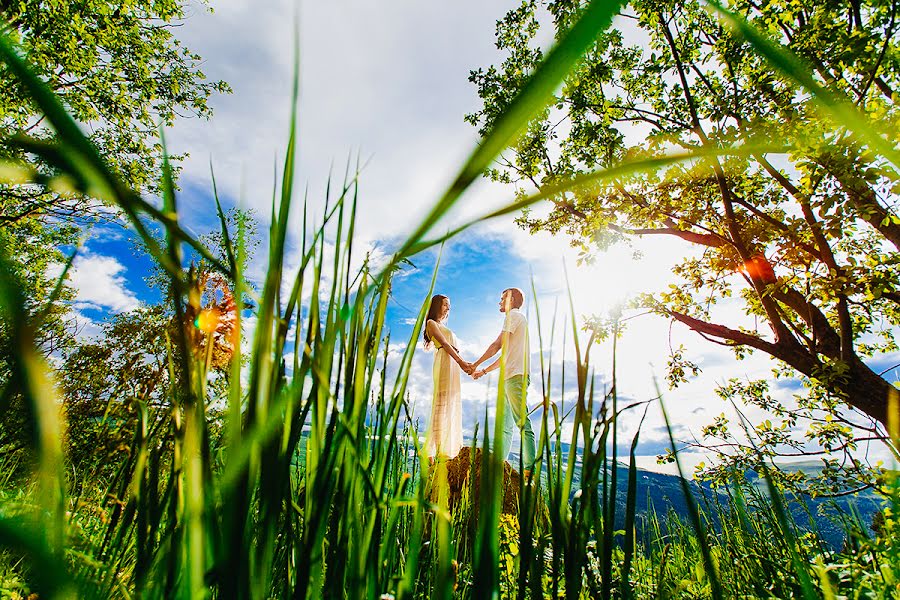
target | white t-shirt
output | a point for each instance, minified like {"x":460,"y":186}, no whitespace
{"x":517,"y":346}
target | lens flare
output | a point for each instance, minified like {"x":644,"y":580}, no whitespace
{"x":208,"y":320}
{"x":759,"y":268}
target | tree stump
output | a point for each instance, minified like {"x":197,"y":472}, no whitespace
{"x":458,"y":469}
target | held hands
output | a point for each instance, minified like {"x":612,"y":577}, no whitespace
{"x":476,"y":374}
{"x":471,"y":369}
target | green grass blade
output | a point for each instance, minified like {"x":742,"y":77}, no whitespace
{"x":630,"y":510}
{"x":777,"y":503}
{"x":56,"y":291}
{"x":647,"y":165}
{"x":31,"y":378}
{"x":51,"y":574}
{"x":226,"y":235}
{"x":86,"y":164}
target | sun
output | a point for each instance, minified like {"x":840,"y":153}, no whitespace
{"x":619,"y":274}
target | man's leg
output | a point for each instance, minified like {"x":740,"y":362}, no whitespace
{"x":509,"y":425}
{"x":517,"y":408}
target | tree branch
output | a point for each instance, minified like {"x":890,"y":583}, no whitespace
{"x":874,"y":78}
{"x":722,"y":332}
{"x":825,"y":254}
{"x":704,"y":239}
{"x":863,"y":198}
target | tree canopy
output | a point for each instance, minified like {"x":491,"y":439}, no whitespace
{"x":120,"y":71}
{"x":805,"y":241}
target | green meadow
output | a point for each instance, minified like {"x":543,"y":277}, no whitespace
{"x":287,"y":464}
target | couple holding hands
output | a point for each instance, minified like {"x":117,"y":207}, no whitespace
{"x":446,"y":409}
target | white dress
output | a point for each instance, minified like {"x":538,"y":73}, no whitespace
{"x":445,"y":437}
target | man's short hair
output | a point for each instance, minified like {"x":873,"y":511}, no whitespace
{"x":516,"y":297}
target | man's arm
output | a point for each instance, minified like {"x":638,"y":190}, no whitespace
{"x":493,"y":349}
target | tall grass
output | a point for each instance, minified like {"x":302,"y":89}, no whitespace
{"x":318,"y":486}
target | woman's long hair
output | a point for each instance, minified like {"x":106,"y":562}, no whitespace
{"x":434,"y":313}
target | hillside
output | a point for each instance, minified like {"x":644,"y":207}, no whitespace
{"x":661,"y":494}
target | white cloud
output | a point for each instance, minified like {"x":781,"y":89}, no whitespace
{"x":100,"y":284}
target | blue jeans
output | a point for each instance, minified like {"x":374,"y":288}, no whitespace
{"x":515,"y":416}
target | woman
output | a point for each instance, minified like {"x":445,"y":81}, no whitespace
{"x":446,"y":409}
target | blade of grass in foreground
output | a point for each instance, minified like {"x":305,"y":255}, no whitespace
{"x":85,"y":164}
{"x":57,"y":289}
{"x":530,"y":554}
{"x":574,"y":517}
{"x":630,"y":509}
{"x":693,"y":513}
{"x":609,"y":519}
{"x":634,"y":166}
{"x":485,"y":567}
{"x":777,"y":502}
{"x":30,"y":378}
{"x":407,"y":585}
{"x":51,"y":574}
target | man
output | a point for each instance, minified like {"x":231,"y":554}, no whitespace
{"x":514,"y":338}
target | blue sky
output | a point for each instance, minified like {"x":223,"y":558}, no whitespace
{"x":388,"y":82}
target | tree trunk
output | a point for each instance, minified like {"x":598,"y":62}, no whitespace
{"x":862,"y":388}
{"x":868,"y":391}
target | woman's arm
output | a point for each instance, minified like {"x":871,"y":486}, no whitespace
{"x":436,"y":334}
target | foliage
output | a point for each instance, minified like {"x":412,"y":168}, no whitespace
{"x":105,"y":377}
{"x":509,"y":554}
{"x":803,"y":240}
{"x":831,"y":438}
{"x":38,"y":250}
{"x":102,"y":381}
